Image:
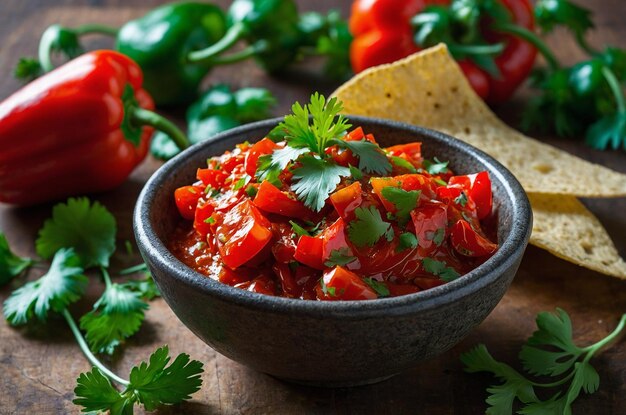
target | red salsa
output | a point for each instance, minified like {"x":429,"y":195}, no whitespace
{"x":346,"y":220}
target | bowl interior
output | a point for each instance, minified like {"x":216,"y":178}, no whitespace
{"x":156,"y":215}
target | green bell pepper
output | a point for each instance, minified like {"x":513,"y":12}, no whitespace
{"x":160,"y":42}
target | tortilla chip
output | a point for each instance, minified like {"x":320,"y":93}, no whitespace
{"x":429,"y":89}
{"x":564,"y":227}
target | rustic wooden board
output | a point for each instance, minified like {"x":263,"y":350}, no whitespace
{"x":38,"y":366}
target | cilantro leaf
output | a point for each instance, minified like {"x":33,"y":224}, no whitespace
{"x":381,"y":289}
{"x":372,"y":159}
{"x":439,"y":236}
{"x":407,"y":240}
{"x":502,"y":396}
{"x":550,"y":350}
{"x":609,"y":131}
{"x":64,"y":283}
{"x":461,"y":199}
{"x":271,"y":165}
{"x":11,"y":265}
{"x":340,"y":257}
{"x":404,"y":201}
{"x":435,"y":167}
{"x":89,"y":229}
{"x":145,"y":287}
{"x":155,"y":383}
{"x":117,"y":315}
{"x":299,"y":230}
{"x":404,"y":164}
{"x":314,"y":132}
{"x":315,"y":180}
{"x":95,"y":393}
{"x":368,"y":228}
{"x":244,"y":180}
{"x":151,"y":384}
{"x":355,"y":173}
{"x":440,"y":269}
{"x":266,"y":170}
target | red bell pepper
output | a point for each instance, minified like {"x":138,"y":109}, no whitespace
{"x":387,"y":30}
{"x":78,"y":129}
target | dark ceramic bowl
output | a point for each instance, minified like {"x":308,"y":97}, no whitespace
{"x":331,"y":343}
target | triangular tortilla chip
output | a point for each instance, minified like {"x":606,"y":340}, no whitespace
{"x":429,"y":89}
{"x":564,"y":227}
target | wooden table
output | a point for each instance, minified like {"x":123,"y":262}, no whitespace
{"x":39,"y":365}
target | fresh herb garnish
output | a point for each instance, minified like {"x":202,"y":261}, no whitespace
{"x":550,"y":351}
{"x":435,"y":167}
{"x":404,"y":164}
{"x":407,"y":240}
{"x":88,"y":228}
{"x":368,"y":227}
{"x":355,"y":173}
{"x":330,"y":291}
{"x":151,"y":384}
{"x":440,"y":269}
{"x":439,"y":236}
{"x":339,"y":257}
{"x":63,"y":284}
{"x":298,"y":230}
{"x":381,"y":289}
{"x":239,"y":184}
{"x":116,"y":315}
{"x":404,"y":201}
{"x":11,"y":265}
{"x":461,"y":199}
{"x":308,"y":132}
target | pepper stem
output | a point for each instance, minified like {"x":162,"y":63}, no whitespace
{"x":231,"y":37}
{"x":96,"y":29}
{"x":244,"y":54}
{"x":143,"y":116}
{"x":87,"y":352}
{"x":531,"y":38}
{"x":476,"y":49}
{"x":616,"y":89}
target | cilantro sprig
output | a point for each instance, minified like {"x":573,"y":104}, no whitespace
{"x":368,"y":227}
{"x":82,"y":235}
{"x":308,"y":131}
{"x":404,"y":201}
{"x":551,"y":352}
{"x":11,"y":265}
{"x":440,"y":269}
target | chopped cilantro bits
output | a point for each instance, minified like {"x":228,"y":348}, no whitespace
{"x":435,"y":167}
{"x":381,"y":289}
{"x":461,"y":199}
{"x":407,"y":240}
{"x":404,"y":164}
{"x":339,"y":257}
{"x":299,"y":230}
{"x":440,"y":269}
{"x":404,"y":201}
{"x":369,"y":227}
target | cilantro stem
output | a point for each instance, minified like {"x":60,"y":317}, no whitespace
{"x":616,"y":89}
{"x":531,"y":38}
{"x":136,"y":268}
{"x":90,"y":356}
{"x":457,"y":48}
{"x":142,"y":116}
{"x":592,"y":349}
{"x":106,"y":277}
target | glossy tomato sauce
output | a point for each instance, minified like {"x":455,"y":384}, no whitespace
{"x":416,"y":228}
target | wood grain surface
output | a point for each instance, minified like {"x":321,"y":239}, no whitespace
{"x":39,"y":364}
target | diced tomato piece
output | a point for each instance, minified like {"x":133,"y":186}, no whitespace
{"x":186,"y":198}
{"x":212,"y":177}
{"x":401,"y":289}
{"x":430,"y":222}
{"x":204,"y":210}
{"x":478,"y":188}
{"x":355,"y":135}
{"x":341,"y":284}
{"x":261,"y":284}
{"x":231,"y":160}
{"x":260,"y":148}
{"x":426,"y":283}
{"x":413,"y":150}
{"x":334,"y":238}
{"x":288,"y":284}
{"x":241,"y":233}
{"x":406,"y":182}
{"x":346,"y":200}
{"x":309,"y":251}
{"x":469,"y":243}
{"x":227,"y":200}
{"x":370,"y":138}
{"x":273,"y":200}
{"x":231,"y":277}
{"x":284,"y":248}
